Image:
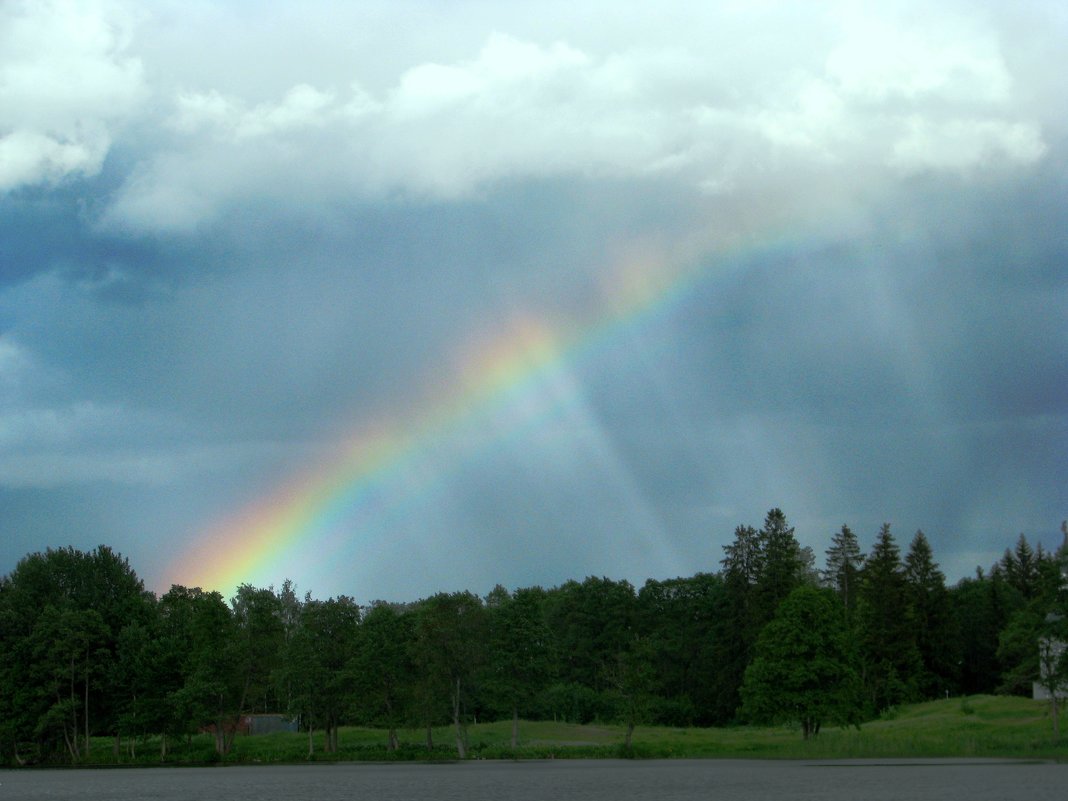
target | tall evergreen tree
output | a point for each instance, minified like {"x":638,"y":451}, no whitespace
{"x":982,"y":607}
{"x":1021,"y":566}
{"x":844,"y":563}
{"x":929,"y":604}
{"x":760,"y":569}
{"x":1036,"y":581}
{"x":738,"y":626}
{"x":782,"y":566}
{"x":891,"y":662}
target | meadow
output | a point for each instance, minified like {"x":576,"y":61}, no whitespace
{"x":976,"y":726}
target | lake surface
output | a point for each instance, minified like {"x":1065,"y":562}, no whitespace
{"x":559,"y":780}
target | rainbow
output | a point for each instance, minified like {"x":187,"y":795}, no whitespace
{"x":379,"y":470}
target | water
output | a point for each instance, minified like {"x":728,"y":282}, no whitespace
{"x":587,"y":780}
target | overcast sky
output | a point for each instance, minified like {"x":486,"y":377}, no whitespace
{"x":804,"y":255}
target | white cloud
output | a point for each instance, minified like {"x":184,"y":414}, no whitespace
{"x":965,"y":144}
{"x":64,"y":82}
{"x":303,"y":106}
{"x":881,"y":60}
{"x":14,"y":363}
{"x":878,"y":95}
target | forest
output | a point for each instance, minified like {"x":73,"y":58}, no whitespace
{"x":770,"y":637}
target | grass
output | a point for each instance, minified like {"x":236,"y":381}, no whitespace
{"x":978,"y":726}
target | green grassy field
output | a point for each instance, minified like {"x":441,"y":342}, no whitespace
{"x":979,"y":726}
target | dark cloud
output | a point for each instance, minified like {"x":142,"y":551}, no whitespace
{"x":873,"y":325}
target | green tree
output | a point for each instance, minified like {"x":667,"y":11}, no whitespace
{"x":94,"y":593}
{"x":318,"y":665}
{"x":760,"y":569}
{"x":737,"y":627}
{"x":213,"y":683}
{"x":592,"y":622}
{"x":450,"y":632}
{"x":1021,"y":567}
{"x":844,"y":563}
{"x":258,"y":615}
{"x":802,"y":669}
{"x":382,"y":669}
{"x":891,"y":662}
{"x":782,"y":566}
{"x":519,"y":650}
{"x":678,"y":619}
{"x":929,"y":605}
{"x":1033,"y":603}
{"x":981,"y":608}
{"x":68,"y":648}
{"x":1053,"y":665}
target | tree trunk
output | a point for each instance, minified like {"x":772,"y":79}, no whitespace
{"x":630,"y":735}
{"x":162,"y":747}
{"x":72,"y":748}
{"x":393,"y":742}
{"x":311,"y":738}
{"x":86,"y":721}
{"x":461,"y":750}
{"x":515,"y":726}
{"x":228,"y":738}
{"x":429,"y":737}
{"x":72,"y":737}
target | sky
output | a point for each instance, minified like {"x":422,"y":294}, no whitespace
{"x":394,"y":298}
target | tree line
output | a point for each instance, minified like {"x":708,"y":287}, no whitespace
{"x":86,"y":651}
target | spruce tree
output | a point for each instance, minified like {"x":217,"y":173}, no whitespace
{"x":739,"y":624}
{"x":929,"y":604}
{"x":891,"y":661}
{"x":782,"y":566}
{"x":844,"y":563}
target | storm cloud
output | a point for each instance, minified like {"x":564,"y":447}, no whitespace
{"x":231,"y":235}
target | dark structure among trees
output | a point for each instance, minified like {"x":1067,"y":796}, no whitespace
{"x":86,"y":652}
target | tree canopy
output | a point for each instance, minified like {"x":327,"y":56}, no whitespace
{"x":86,"y":652}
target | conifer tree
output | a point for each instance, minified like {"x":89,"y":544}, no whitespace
{"x":782,"y":566}
{"x":844,"y":563}
{"x":929,"y":605}
{"x":891,"y":662}
{"x":738,"y":626}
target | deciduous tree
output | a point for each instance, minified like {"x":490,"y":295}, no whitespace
{"x":802,"y":668}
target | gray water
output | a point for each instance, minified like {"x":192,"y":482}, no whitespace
{"x":675,"y":780}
